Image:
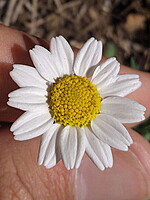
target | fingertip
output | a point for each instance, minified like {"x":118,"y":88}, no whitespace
{"x":15,"y":47}
{"x":125,"y":180}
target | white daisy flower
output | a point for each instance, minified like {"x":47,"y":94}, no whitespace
{"x":73,"y":114}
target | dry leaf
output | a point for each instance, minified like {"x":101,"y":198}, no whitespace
{"x":134,"y":22}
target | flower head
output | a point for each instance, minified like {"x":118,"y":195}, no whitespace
{"x":74,"y":114}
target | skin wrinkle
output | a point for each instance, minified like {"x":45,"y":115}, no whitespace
{"x":39,"y":176}
{"x":28,"y":179}
{"x":13,"y":188}
{"x":30,"y":183}
{"x":20,"y":190}
{"x":27,"y":191}
{"x":58,"y":182}
{"x":45,"y":184}
{"x":13,"y":179}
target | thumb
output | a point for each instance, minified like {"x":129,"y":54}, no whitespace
{"x":129,"y":178}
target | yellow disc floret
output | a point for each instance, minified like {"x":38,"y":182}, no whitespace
{"x":74,"y":100}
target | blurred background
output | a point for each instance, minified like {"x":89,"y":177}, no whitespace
{"x":122,"y":25}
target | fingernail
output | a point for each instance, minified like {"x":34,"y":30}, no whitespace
{"x":123,"y":181}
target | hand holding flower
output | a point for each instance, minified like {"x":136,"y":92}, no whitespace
{"x":121,"y":164}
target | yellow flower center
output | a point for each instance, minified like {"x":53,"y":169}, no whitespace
{"x":74,"y":100}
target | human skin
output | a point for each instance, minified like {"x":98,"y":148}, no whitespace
{"x":20,"y":176}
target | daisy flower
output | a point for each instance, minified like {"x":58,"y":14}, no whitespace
{"x":74,"y":114}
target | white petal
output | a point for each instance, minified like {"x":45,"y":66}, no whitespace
{"x":105,"y":73}
{"x":52,"y":154}
{"x":28,"y":99}
{"x":26,"y":117}
{"x":53,"y":62}
{"x":27,"y":106}
{"x":100,"y":149}
{"x":108,"y":153}
{"x":111,"y":132}
{"x":26,"y":76}
{"x":81,"y":142}
{"x":33,"y":123}
{"x":68,"y":144}
{"x":49,"y":154}
{"x":123,"y":109}
{"x":92,"y":154}
{"x":46,"y":63}
{"x":88,"y":56}
{"x":35,"y":132}
{"x":53,"y":162}
{"x":62,"y":50}
{"x":28,"y":91}
{"x":122,"y":86}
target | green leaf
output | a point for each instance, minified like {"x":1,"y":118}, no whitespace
{"x":144,"y":129}
{"x":133,"y":64}
{"x":110,"y":50}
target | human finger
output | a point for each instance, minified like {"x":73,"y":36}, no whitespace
{"x":20,"y":175}
{"x":22,"y":178}
{"x":129,"y":178}
{"x":15,"y":47}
